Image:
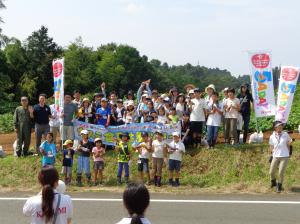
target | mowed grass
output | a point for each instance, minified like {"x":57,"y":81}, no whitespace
{"x":223,"y":170}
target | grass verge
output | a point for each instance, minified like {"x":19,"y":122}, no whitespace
{"x":243,"y":169}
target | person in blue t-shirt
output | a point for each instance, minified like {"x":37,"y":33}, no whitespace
{"x":48,"y":150}
{"x":103,"y":113}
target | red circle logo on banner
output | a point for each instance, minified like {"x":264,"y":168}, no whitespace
{"x":260,"y":60}
{"x":57,"y":69}
{"x":289,"y":74}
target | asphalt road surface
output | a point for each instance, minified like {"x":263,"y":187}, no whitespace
{"x":92,"y":208}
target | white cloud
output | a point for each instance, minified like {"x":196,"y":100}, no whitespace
{"x":133,"y":8}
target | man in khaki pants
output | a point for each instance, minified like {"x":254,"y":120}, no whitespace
{"x":280,"y":143}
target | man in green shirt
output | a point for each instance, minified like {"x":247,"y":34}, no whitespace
{"x":23,"y":121}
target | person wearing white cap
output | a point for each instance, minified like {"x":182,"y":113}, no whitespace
{"x":175,"y":150}
{"x":280,"y":143}
{"x":129,"y":115}
{"x":84,"y":150}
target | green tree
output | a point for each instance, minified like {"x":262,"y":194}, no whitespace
{"x":16,"y":62}
{"x":122,"y":68}
{"x":80,"y":67}
{"x":40,"y":51}
{"x":5,"y":81}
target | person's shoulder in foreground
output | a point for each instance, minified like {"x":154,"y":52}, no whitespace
{"x":128,"y":221}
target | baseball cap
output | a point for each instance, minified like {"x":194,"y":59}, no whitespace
{"x":84,"y":132}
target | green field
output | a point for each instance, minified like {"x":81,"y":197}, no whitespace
{"x":224,"y":169}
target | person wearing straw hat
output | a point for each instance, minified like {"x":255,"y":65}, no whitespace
{"x":85,"y":112}
{"x":209,"y":90}
{"x":67,"y":162}
{"x":175,"y":150}
{"x":188,"y":88}
{"x":280,"y":143}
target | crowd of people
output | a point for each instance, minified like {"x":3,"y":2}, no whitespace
{"x":197,"y":111}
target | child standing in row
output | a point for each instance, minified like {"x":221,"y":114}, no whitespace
{"x":98,"y":152}
{"x":84,"y":151}
{"x":48,"y":150}
{"x":144,"y":150}
{"x":68,"y":156}
{"x":123,"y":150}
{"x":159,"y":153}
{"x":175,"y":149}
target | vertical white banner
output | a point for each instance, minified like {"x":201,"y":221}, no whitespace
{"x":58,"y":76}
{"x":262,"y":84}
{"x":286,"y":89}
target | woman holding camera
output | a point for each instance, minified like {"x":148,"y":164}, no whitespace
{"x":280,"y":143}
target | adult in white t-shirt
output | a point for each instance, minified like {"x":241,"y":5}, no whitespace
{"x":231,"y":108}
{"x":54,"y":122}
{"x":136,"y":199}
{"x":280,"y":143}
{"x":198,"y":110}
{"x":62,"y":212}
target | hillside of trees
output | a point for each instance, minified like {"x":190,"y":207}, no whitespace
{"x":26,"y":68}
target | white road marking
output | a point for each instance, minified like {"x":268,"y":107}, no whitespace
{"x":171,"y":201}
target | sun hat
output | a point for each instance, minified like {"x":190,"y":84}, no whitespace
{"x":210,"y":86}
{"x":67,"y":142}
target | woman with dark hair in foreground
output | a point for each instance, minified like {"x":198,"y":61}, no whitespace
{"x":49,"y":206}
{"x":136,"y":200}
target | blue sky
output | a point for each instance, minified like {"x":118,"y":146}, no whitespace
{"x":217,"y":33}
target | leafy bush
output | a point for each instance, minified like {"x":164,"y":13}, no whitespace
{"x":8,"y":106}
{"x":6,"y":123}
{"x":266,"y":123}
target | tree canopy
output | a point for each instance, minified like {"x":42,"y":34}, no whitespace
{"x":26,"y":68}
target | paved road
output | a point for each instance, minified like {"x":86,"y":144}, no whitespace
{"x":211,"y":209}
